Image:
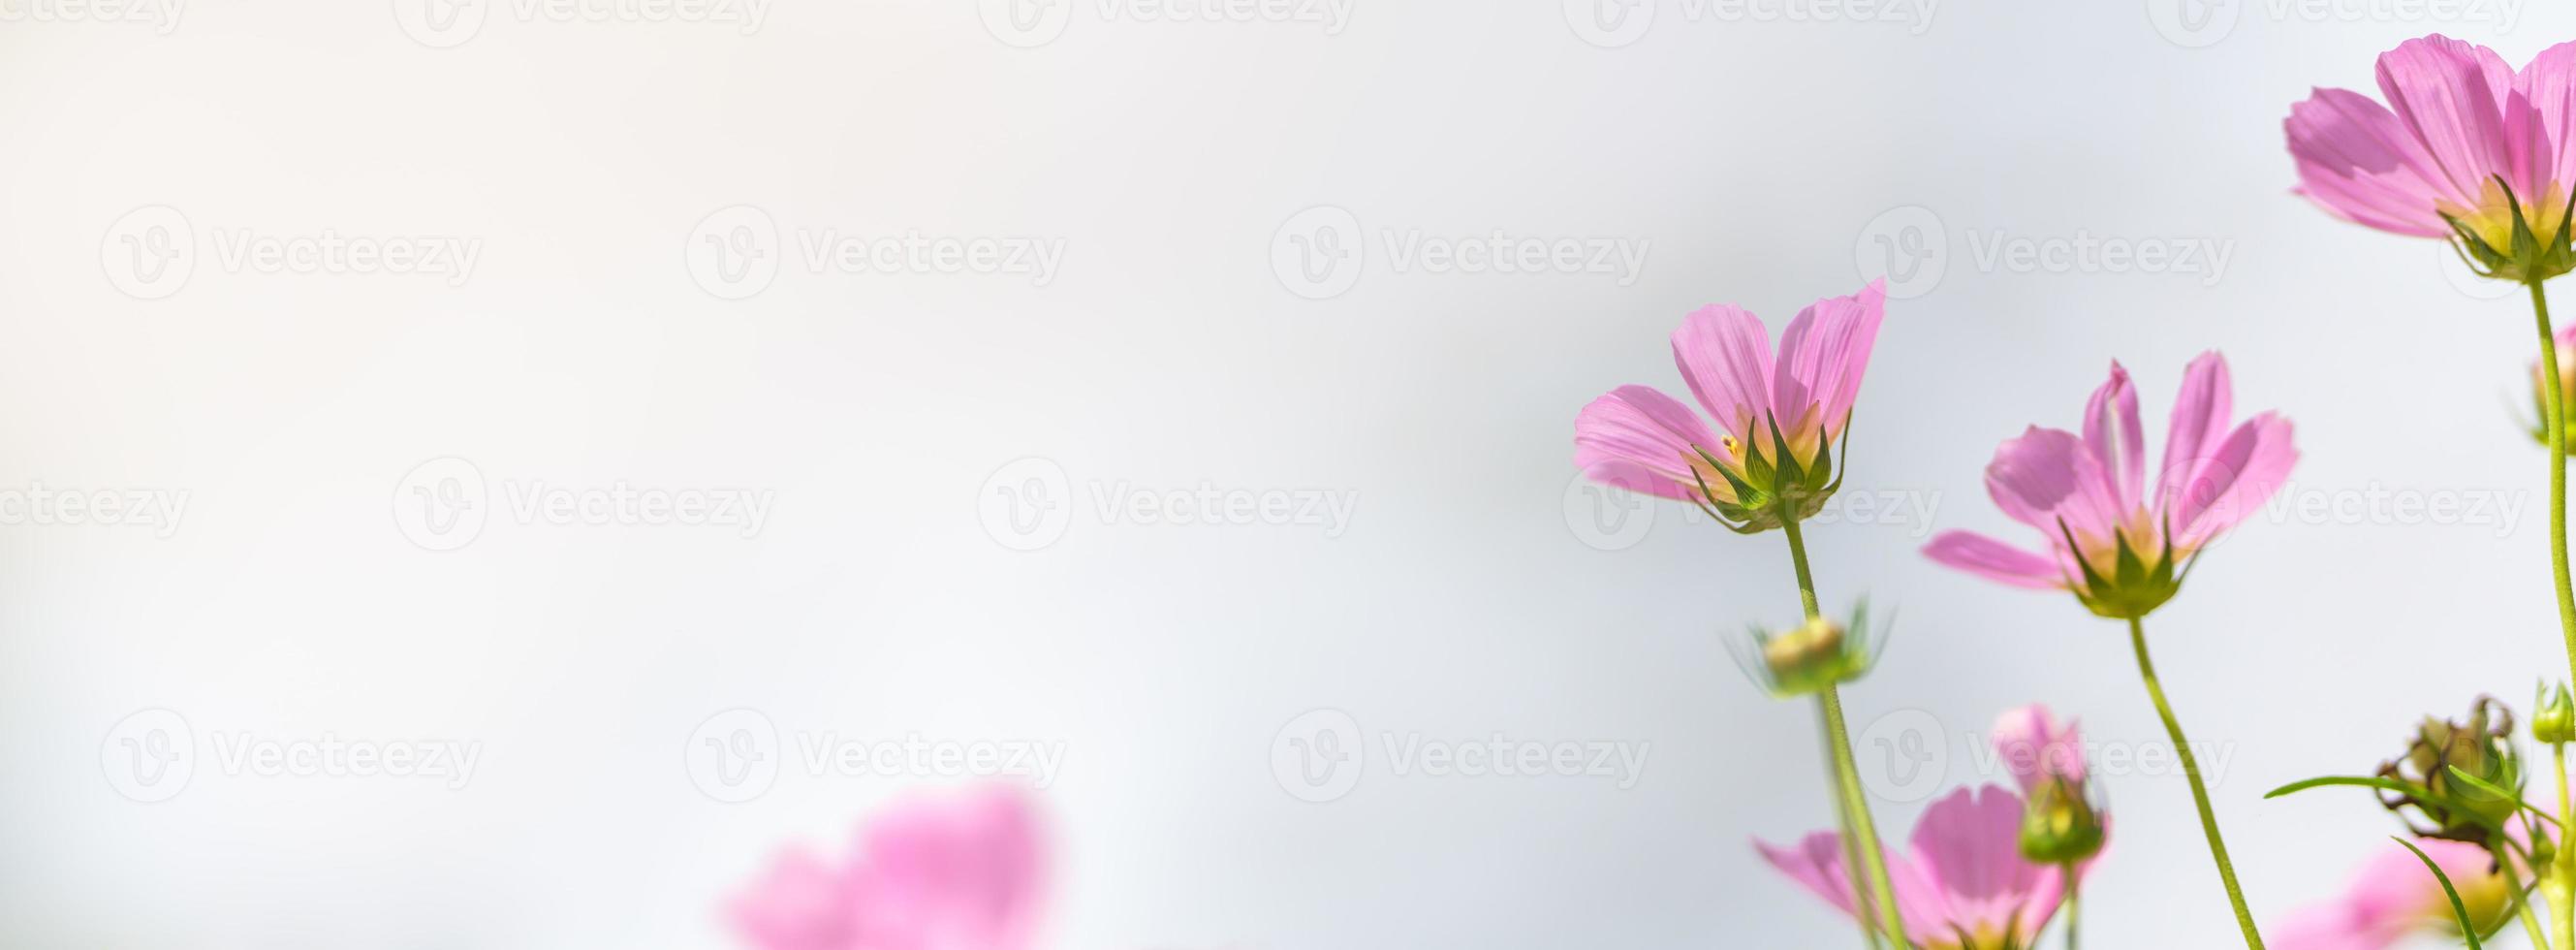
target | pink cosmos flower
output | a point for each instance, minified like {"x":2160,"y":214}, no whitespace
{"x":2109,"y":540}
{"x":2034,"y":746}
{"x":958,"y":874}
{"x":1963,"y":885}
{"x":1639,"y":439}
{"x":2463,"y":142}
{"x":2394,"y":897}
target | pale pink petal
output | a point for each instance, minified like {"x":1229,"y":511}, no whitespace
{"x":1823,"y":355}
{"x":2334,"y":925}
{"x":1725,"y":355}
{"x":961,"y":874}
{"x":2241,"y":474}
{"x":2451,"y":95}
{"x":1816,"y":864}
{"x":2119,"y":445}
{"x":2199,"y":422}
{"x":2033,"y":745}
{"x":2046,"y":477}
{"x":2547,"y":89}
{"x":1969,"y":844}
{"x":2358,"y":162}
{"x":1995,"y":560}
{"x":1641,"y":440}
{"x":802,"y":904}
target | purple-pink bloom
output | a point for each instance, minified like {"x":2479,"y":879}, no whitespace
{"x":2459,"y":128}
{"x":957,"y":874}
{"x":2035,"y":747}
{"x":2394,"y":897}
{"x":2109,"y":539}
{"x":1639,"y":439}
{"x":1963,"y":885}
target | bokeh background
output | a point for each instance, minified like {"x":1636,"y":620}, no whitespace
{"x":1379,"y":546}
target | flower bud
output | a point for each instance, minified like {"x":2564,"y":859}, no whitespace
{"x":1812,"y":656}
{"x":2555,"y":721}
{"x":1808,"y":658}
{"x":2480,"y":746}
{"x":2059,"y":826}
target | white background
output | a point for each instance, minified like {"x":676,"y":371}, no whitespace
{"x":1749,"y":153}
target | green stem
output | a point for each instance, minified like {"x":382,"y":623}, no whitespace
{"x":1846,"y":773}
{"x":2199,"y":792}
{"x":2522,"y":906}
{"x":2564,"y":903}
{"x":1861,"y":905}
{"x":1798,"y":559}
{"x":2557,"y":423}
{"x":2562,"y":898}
{"x":2074,"y":904}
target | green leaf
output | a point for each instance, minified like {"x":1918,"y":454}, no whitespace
{"x":2459,"y":910}
{"x":2390,"y":784}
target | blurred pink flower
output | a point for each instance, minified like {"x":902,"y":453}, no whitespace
{"x":1963,"y":886}
{"x":2035,"y":746}
{"x":1639,"y":439}
{"x":957,"y":874}
{"x":2117,"y":547}
{"x":2394,"y":897}
{"x":2465,"y":128}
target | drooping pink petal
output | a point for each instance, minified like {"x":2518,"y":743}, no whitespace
{"x":2241,"y":474}
{"x":2199,"y":423}
{"x":1725,"y":355}
{"x":1639,"y":439}
{"x":2034,"y":746}
{"x":2451,"y":95}
{"x":2357,"y":161}
{"x":1816,"y":863}
{"x":2112,"y":432}
{"x":1995,"y":560}
{"x":1823,"y":355}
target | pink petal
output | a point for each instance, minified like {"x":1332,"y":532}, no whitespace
{"x":2451,"y":95}
{"x":1641,"y":440}
{"x":1969,"y":845}
{"x":801,"y":904}
{"x":2546,"y":90}
{"x":2111,"y":430}
{"x":1725,"y":355}
{"x":1995,"y":560}
{"x":1816,"y":864}
{"x":2357,"y":161}
{"x":961,"y":874}
{"x":2048,"y":476}
{"x":2199,"y":422}
{"x":2033,"y":745}
{"x":2243,"y":473}
{"x":1823,"y":355}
